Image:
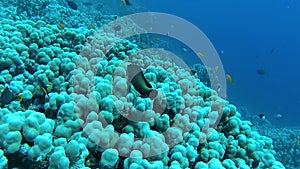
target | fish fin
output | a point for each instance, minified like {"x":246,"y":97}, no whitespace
{"x":49,"y":86}
{"x":19,"y":98}
{"x":44,"y":90}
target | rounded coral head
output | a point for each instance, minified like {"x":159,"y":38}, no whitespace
{"x":153,"y":94}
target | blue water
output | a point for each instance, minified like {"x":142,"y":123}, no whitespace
{"x":251,"y":35}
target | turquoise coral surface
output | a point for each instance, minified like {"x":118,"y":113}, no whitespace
{"x":95,"y":119}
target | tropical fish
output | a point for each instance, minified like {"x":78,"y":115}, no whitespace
{"x":139,"y":82}
{"x":229,"y":78}
{"x":278,"y":116}
{"x":6,"y":96}
{"x":261,"y":116}
{"x":126,"y":3}
{"x":200,"y":54}
{"x":61,"y":26}
{"x":92,"y":26}
{"x":261,"y":71}
{"x":45,"y":88}
{"x":298,"y":140}
{"x":72,"y":4}
{"x":193,"y":72}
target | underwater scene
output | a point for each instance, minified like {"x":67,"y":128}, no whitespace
{"x":149,"y":84}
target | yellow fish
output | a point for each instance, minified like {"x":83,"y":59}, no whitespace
{"x":200,"y":54}
{"x":45,"y":88}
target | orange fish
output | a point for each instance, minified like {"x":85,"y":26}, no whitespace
{"x":229,"y":78}
{"x":93,"y":26}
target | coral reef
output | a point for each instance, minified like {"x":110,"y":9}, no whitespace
{"x":79,"y":110}
{"x":285,"y":140}
{"x":111,"y":125}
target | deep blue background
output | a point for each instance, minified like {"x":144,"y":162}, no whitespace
{"x":247,"y":31}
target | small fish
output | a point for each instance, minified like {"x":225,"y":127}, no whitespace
{"x":272,"y":50}
{"x":261,"y":116}
{"x":93,"y":26}
{"x":61,"y":26}
{"x":45,"y":88}
{"x":157,"y":39}
{"x":6,"y":96}
{"x":172,"y":26}
{"x":261,"y":71}
{"x":193,"y":72}
{"x":126,"y":3}
{"x":72,"y":4}
{"x":200,"y":54}
{"x":217,"y":68}
{"x":278,"y":116}
{"x":298,"y":140}
{"x":229,"y":78}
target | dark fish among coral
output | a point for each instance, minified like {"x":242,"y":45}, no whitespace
{"x":45,"y":88}
{"x":126,"y":2}
{"x":6,"y":97}
{"x":137,"y":79}
{"x":261,"y":71}
{"x":261,"y":116}
{"x":193,"y":72}
{"x":72,"y":4}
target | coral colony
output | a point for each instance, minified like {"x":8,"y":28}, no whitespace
{"x":79,"y":110}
